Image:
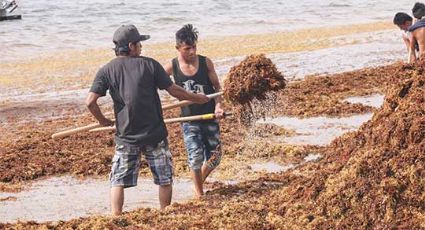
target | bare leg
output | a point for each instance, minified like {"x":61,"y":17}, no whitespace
{"x":165,"y":194}
{"x":205,"y":172}
{"x":211,"y":164}
{"x":197,"y":181}
{"x":117,"y":200}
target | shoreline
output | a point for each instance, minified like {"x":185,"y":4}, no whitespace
{"x":76,"y":69}
{"x":164,"y":50}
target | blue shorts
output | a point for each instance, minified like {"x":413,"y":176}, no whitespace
{"x":202,"y":142}
{"x":126,"y":164}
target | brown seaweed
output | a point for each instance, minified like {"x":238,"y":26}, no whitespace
{"x":249,"y":87}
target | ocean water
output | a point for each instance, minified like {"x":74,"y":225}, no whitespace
{"x":49,"y":26}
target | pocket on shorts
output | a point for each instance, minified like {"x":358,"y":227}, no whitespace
{"x":115,"y":165}
{"x":160,"y":162}
{"x":190,"y":130}
{"x":163,"y":148}
{"x":150,"y":148}
{"x":115,"y":159}
{"x":119,"y":148}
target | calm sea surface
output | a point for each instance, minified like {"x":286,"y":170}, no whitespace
{"x":49,"y":25}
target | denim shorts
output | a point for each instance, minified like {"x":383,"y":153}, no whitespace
{"x":126,"y":164}
{"x":202,"y":142}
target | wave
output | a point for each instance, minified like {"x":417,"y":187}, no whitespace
{"x":168,"y":19}
{"x":333,"y":4}
{"x":26,"y":45}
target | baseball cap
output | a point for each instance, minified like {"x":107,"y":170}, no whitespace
{"x":126,"y":34}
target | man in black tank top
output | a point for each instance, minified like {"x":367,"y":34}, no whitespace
{"x":196,"y":74}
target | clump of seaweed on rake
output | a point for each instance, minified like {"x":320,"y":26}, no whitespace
{"x":251,"y":85}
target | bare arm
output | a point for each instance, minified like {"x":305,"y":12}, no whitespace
{"x":219,"y":112}
{"x":181,"y":94}
{"x":168,"y":68}
{"x":412,"y":55}
{"x":406,"y":41}
{"x":91,"y":103}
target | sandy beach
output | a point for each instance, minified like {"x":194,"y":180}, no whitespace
{"x":343,"y":144}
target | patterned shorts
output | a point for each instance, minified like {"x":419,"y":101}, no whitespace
{"x":202,"y":141}
{"x":126,"y":164}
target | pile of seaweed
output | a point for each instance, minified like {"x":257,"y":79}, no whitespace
{"x":252,"y":81}
{"x":378,"y":176}
{"x":371,"y":178}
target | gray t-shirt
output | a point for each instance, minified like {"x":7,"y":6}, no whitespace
{"x":133,"y":84}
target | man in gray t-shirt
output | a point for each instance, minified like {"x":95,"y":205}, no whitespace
{"x":133,"y":81}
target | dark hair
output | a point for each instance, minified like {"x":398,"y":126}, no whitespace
{"x":400,"y":18}
{"x":418,"y":10}
{"x":122,"y":50}
{"x":187,"y":34}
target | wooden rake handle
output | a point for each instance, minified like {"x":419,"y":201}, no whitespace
{"x":97,"y":125}
{"x":187,"y":102}
{"x":207,"y":116}
{"x":76,"y":130}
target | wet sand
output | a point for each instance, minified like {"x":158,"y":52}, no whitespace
{"x":65,"y":198}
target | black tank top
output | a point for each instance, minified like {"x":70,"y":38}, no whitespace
{"x":198,"y":83}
